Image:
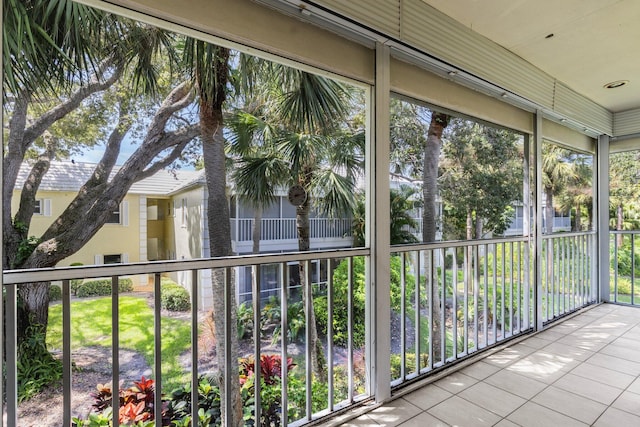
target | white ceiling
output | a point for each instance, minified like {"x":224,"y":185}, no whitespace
{"x":594,"y":42}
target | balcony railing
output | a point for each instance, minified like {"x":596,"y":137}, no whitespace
{"x":568,"y":273}
{"x":456,"y":298}
{"x":299,"y":400}
{"x":285,"y":228}
{"x":449,"y":300}
{"x":624,"y":249}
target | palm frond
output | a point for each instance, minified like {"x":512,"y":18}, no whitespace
{"x":257,"y":178}
{"x":336,"y":193}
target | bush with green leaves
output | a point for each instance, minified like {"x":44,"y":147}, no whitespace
{"x":37,"y":368}
{"x":178,"y":408}
{"x":174,"y":297}
{"x":102,"y":287}
{"x":340,"y":299}
{"x":55,"y":293}
{"x":75,"y":283}
{"x":245,"y":319}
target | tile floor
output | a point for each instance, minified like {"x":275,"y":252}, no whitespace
{"x":583,"y":371}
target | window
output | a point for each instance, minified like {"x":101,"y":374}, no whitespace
{"x":114,"y":218}
{"x":120,"y":215}
{"x":42,"y":207}
{"x":112,"y":259}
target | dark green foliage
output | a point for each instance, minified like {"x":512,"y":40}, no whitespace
{"x":175,"y":298}
{"x":245,"y":319}
{"x":340,"y":300}
{"x":55,"y":293}
{"x":179,"y":404}
{"x":102,"y":287}
{"x":75,"y":283}
{"x":295,"y":323}
{"x":37,"y":368}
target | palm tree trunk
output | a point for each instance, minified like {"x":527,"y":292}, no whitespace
{"x":431,"y":160}
{"x":619,"y":224}
{"x":256,"y":231}
{"x":211,"y":127}
{"x":317,"y":351}
{"x":548,"y":211}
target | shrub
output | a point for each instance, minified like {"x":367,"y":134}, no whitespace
{"x":102,"y":287}
{"x":37,"y":368}
{"x":75,"y":283}
{"x":136,"y":405}
{"x":340,"y":296}
{"x":179,"y":404}
{"x":174,"y":297}
{"x":55,"y":293}
{"x":245,"y":319}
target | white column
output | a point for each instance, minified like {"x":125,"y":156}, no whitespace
{"x":378,"y":237}
{"x":537,"y":161}
{"x":602,"y":217}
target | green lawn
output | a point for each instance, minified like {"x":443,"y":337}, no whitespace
{"x":91,"y":326}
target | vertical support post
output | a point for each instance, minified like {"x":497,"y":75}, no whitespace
{"x":229,"y":374}
{"x":195,"y":284}
{"x":526,"y":231}
{"x":157,"y":342}
{"x":115,"y":348}
{"x":537,"y":270}
{"x":378,"y":238}
{"x":66,"y":352}
{"x":11,"y":349}
{"x":600,"y":269}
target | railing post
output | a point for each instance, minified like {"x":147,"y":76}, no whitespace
{"x":537,"y":270}
{"x":378,"y":238}
{"x":602,"y":219}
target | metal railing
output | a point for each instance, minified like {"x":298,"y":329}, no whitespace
{"x":285,"y":228}
{"x":567,"y":277}
{"x":624,"y":283}
{"x":455,"y":298}
{"x":302,"y":396}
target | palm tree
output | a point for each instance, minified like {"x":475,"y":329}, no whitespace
{"x":303,"y":148}
{"x":431,"y":160}
{"x":557,"y":172}
{"x":208,"y":66}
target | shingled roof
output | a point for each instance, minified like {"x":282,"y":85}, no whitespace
{"x":70,"y":176}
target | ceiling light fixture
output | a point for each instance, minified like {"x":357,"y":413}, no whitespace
{"x":617,"y":83}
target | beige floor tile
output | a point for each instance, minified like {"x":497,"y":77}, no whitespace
{"x":506,"y":423}
{"x":570,"y":404}
{"x":566,"y":351}
{"x":621,"y":352}
{"x":492,"y":398}
{"x":616,"y":418}
{"x":615,"y":363}
{"x":361,"y":421}
{"x":591,"y":344}
{"x":534,"y":415}
{"x":550,"y":335}
{"x":394,"y":413}
{"x":629,"y":343}
{"x":504,"y":358}
{"x":516,"y":384}
{"x":604,"y":375}
{"x":480,"y":370}
{"x":427,"y":397}
{"x":459,"y":412}
{"x":629,"y":402}
{"x":424,"y":420}
{"x":535,"y":342}
{"x":588,"y":388}
{"x":543,"y":366}
{"x":456,"y":382}
{"x":635,"y":386}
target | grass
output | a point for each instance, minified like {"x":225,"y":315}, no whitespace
{"x":91,"y":326}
